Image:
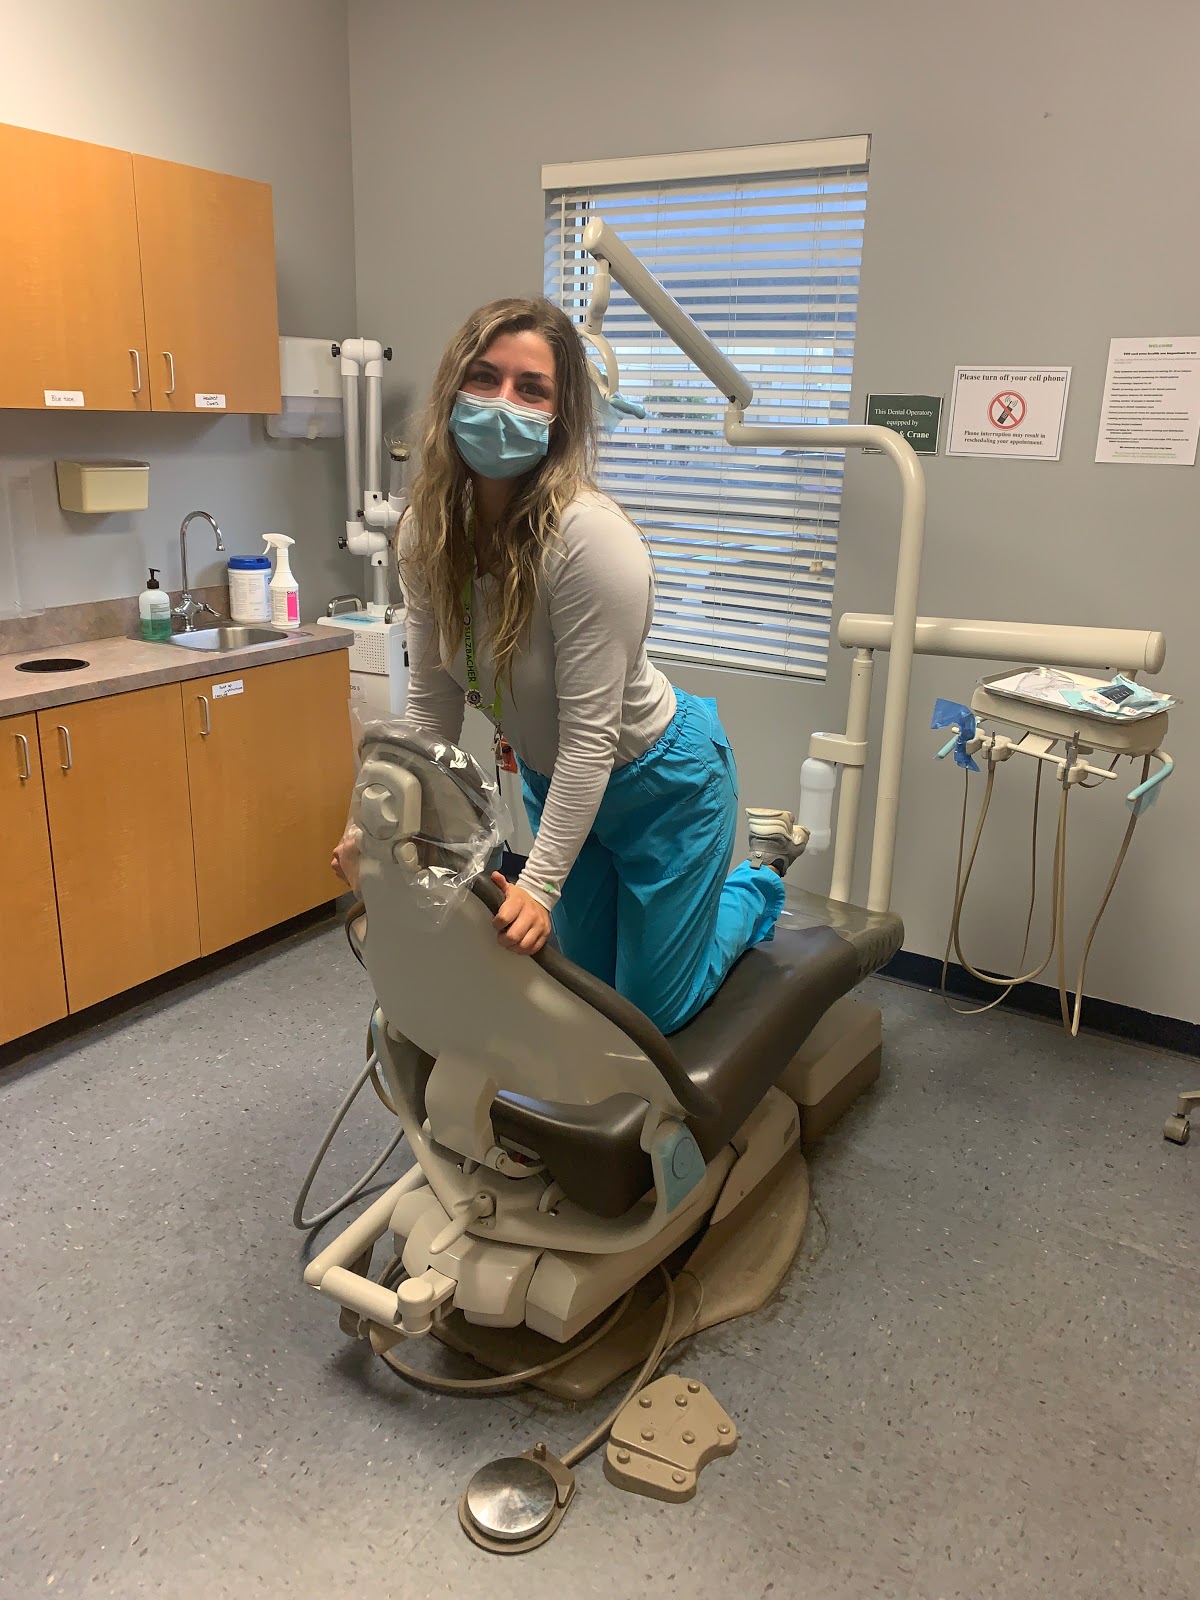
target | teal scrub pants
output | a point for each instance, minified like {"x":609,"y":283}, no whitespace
{"x":650,"y":906}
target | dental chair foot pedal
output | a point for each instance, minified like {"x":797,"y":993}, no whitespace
{"x":665,"y":1437}
{"x":515,"y":1504}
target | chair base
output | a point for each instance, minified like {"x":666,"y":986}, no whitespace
{"x":739,"y":1262}
{"x":838,"y":1061}
{"x":736,"y":1267}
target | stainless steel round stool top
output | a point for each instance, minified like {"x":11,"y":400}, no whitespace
{"x":513,"y":1498}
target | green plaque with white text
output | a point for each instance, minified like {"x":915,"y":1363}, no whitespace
{"x":917,"y":416}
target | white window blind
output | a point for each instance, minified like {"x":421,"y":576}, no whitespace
{"x":744,"y":541}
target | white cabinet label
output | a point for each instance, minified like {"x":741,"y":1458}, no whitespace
{"x":231,"y":686}
{"x":63,"y":397}
{"x":210,"y":402}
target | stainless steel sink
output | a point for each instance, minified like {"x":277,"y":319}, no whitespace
{"x":229,"y":636}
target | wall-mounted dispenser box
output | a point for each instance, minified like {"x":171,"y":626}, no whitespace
{"x":310,"y":386}
{"x":103,"y":485}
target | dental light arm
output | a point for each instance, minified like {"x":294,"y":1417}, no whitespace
{"x":600,"y":241}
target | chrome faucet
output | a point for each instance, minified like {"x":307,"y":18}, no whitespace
{"x":188,"y":608}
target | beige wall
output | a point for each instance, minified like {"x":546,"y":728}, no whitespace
{"x":1031,"y":184}
{"x":254,"y":87}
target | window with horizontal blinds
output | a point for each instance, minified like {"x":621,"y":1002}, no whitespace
{"x":744,"y":541}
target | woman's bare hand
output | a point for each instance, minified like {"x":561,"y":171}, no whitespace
{"x":346,"y":858}
{"x":522,"y":923}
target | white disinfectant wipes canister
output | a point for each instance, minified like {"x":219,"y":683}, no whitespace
{"x":250,"y":588}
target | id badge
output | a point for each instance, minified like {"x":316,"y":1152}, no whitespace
{"x":505,"y":757}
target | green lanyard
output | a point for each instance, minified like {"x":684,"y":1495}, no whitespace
{"x":474,"y":693}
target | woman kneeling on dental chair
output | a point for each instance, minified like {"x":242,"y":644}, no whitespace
{"x":530,"y":594}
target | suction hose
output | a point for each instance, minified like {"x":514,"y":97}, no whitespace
{"x":369,"y":1074}
{"x":1071,"y":1014}
{"x":320,"y":1218}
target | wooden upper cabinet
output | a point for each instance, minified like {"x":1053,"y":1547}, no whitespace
{"x":208,"y":279}
{"x":71,"y":324}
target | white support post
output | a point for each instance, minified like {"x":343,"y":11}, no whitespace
{"x":353,"y":453}
{"x":862,"y":670}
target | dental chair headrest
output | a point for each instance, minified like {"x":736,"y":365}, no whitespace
{"x":459,"y":803}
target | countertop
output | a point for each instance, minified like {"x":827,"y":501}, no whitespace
{"x":116,"y":666}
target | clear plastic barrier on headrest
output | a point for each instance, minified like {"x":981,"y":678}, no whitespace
{"x":431,"y":807}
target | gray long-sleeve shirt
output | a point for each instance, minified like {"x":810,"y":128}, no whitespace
{"x":584,"y":698}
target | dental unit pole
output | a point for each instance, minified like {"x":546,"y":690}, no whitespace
{"x":848,"y":750}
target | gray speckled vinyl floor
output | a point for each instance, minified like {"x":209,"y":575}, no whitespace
{"x":987,"y":1384}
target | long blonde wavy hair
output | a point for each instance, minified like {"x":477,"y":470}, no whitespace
{"x":439,"y":554}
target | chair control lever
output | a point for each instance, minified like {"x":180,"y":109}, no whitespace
{"x":467,"y":1212}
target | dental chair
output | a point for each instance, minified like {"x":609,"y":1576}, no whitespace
{"x":564,"y":1147}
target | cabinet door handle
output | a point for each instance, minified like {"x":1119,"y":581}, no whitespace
{"x":137,"y":369}
{"x":171,"y":364}
{"x":27,"y":773}
{"x":207,"y":728}
{"x":65,"y":741}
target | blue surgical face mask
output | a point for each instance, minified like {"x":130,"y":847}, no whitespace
{"x":498,"y":438}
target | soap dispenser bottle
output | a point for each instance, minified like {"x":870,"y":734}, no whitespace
{"x":154,"y":609}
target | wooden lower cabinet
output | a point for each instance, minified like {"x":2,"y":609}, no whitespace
{"x":117,"y":799}
{"x":271,"y":767}
{"x":142,"y":830}
{"x":32,"y":992}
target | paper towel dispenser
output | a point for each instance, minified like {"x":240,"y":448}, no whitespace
{"x":311,"y":391}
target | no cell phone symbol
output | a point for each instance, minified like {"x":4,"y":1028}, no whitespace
{"x":1007,"y":410}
